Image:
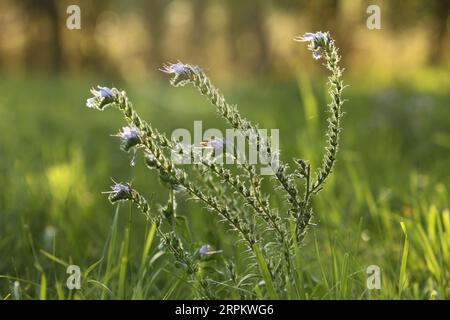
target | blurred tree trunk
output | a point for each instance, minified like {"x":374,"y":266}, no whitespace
{"x":333,"y":16}
{"x":36,"y":50}
{"x":55,"y":25}
{"x":199,"y":31}
{"x":247,"y":36}
{"x":156,"y":10}
{"x":441,"y":10}
{"x":96,"y":57}
{"x":259,"y":30}
{"x":324,"y":14}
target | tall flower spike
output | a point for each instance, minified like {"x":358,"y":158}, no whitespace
{"x":321,"y":44}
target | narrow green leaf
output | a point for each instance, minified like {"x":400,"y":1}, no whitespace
{"x":53,"y":258}
{"x":259,"y":293}
{"x":265,"y":272}
{"x":298,"y":265}
{"x":59,"y":290}
{"x":402,"y":278}
{"x":43,"y":287}
{"x":148,"y":244}
{"x":111,"y":248}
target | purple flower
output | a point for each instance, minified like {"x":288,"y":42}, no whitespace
{"x":107,"y":93}
{"x":316,"y":54}
{"x":306,"y":37}
{"x":316,"y":38}
{"x":101,"y":97}
{"x":204,"y":250}
{"x":176,"y":68}
{"x":317,"y":41}
{"x":182,"y":73}
{"x":215,"y":143}
{"x":130,"y":137}
{"x":320,"y":36}
{"x":120,"y":192}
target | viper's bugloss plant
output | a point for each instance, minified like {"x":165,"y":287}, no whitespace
{"x":271,"y":235}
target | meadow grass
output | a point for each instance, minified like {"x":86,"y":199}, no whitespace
{"x":386,"y":204}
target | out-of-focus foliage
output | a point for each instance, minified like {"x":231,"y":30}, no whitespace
{"x":133,"y":39}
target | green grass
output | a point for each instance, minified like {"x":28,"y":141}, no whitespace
{"x":386,"y":204}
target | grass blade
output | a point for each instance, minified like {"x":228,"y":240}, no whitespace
{"x":298,"y":265}
{"x":43,"y":287}
{"x":402,"y":278}
{"x":148,"y":244}
{"x":265,"y":272}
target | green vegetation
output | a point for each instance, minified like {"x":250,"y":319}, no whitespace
{"x":386,"y":203}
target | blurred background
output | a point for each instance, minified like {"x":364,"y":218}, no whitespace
{"x":56,"y":156}
{"x":132,"y":40}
